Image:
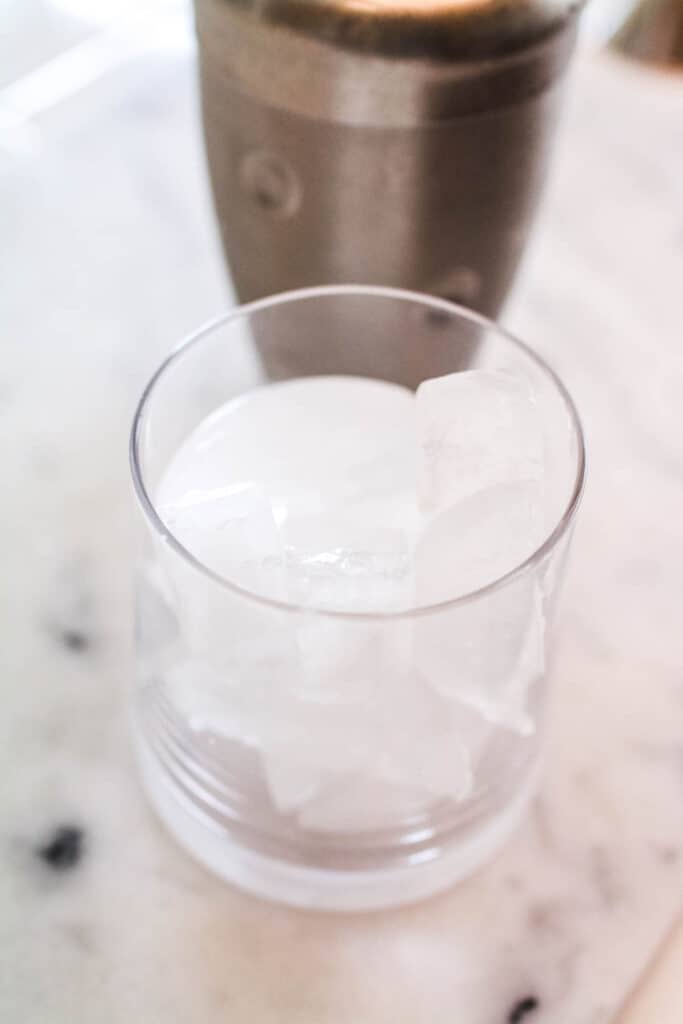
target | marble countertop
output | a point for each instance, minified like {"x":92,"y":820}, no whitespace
{"x":109,"y":255}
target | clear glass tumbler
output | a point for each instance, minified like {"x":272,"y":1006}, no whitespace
{"x":230,"y":701}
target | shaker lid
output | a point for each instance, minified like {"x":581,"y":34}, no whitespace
{"x":387,"y":62}
{"x":433,"y":29}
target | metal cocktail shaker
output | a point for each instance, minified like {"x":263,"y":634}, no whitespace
{"x":379,"y":141}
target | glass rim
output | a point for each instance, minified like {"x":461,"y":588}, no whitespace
{"x":552,"y":536}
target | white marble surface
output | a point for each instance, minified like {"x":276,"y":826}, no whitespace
{"x":108,"y":255}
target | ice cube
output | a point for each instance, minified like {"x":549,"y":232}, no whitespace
{"x":291,"y":781}
{"x":345,"y":443}
{"x":341,"y":564}
{"x":339,"y":661}
{"x":358,"y":803}
{"x":476,"y":429}
{"x":426,"y":741}
{"x":231,"y":529}
{"x":319,"y":437}
{"x":258,"y":711}
{"x":487,"y":653}
{"x":343,"y":659}
{"x":380,"y":489}
{"x":216,"y":699}
{"x":442,"y":768}
{"x":302,"y":438}
{"x":421,"y":749}
{"x":305,"y":745}
{"x":201,"y":696}
{"x":476,"y":541}
{"x":248,"y":641}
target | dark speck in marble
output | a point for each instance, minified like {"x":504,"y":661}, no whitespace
{"x":546,"y":917}
{"x":666,"y":854}
{"x":522,"y":1009}
{"x":70,"y":612}
{"x":75,"y":640}
{"x":64,"y":849}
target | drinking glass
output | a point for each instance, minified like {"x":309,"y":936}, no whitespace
{"x":423,"y":770}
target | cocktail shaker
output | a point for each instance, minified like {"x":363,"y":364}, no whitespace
{"x":397,"y":142}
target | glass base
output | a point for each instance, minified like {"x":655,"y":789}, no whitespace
{"x":321,"y":889}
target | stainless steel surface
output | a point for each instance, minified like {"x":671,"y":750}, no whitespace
{"x":379,"y":142}
{"x":654,"y":33}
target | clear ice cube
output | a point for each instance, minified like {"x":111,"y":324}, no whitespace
{"x":476,"y":429}
{"x":477,"y":540}
{"x":342,"y":566}
{"x":303,"y":439}
{"x":487,"y":653}
{"x":481,"y":494}
{"x":330,"y":435}
{"x":199,"y":694}
{"x":358,"y":803}
{"x":232,"y":530}
{"x":339,"y":564}
{"x":291,"y":781}
{"x":310,"y":745}
{"x":340,"y":662}
{"x":425,"y":741}
{"x":421,"y":749}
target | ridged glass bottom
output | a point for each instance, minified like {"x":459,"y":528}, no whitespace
{"x":212,"y":799}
